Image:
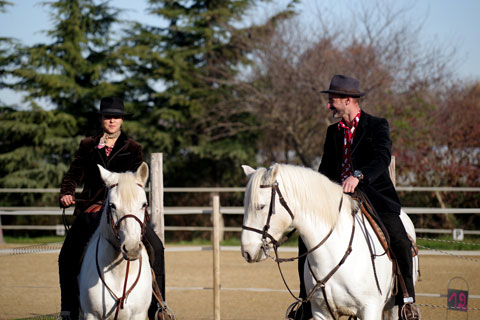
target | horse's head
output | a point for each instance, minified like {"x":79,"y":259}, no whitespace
{"x":264,"y":220}
{"x":126,"y":208}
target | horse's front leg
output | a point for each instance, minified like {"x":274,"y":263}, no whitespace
{"x":320,"y":311}
{"x":139,"y":316}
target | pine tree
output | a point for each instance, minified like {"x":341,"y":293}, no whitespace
{"x":192,"y":55}
{"x":35,"y":148}
{"x":73,"y":71}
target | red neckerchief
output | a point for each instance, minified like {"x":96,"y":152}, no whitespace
{"x":347,"y":145}
{"x":103,"y":143}
{"x":108,"y":150}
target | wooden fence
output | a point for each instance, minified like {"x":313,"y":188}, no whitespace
{"x":19,"y":211}
{"x":158,"y":210}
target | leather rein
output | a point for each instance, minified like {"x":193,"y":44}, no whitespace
{"x":120,"y":301}
{"x":321,"y":283}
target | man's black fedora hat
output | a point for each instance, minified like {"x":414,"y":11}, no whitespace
{"x":344,"y":86}
{"x":112,"y":106}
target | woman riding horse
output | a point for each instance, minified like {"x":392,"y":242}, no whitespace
{"x":113,"y":150}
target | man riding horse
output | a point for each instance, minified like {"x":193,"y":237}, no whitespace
{"x":357,"y":154}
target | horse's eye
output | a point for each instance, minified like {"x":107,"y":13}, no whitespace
{"x":112,"y":206}
{"x":260,"y":207}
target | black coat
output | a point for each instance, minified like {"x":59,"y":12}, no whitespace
{"x":371,"y":153}
{"x":125,"y":156}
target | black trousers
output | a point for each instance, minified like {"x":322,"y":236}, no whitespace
{"x":402,"y":250}
{"x":401,"y":247}
{"x":74,"y":247}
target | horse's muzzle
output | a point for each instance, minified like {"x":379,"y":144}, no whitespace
{"x":132,"y":253}
{"x":252,"y":256}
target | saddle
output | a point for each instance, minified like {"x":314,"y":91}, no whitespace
{"x":95,"y":207}
{"x":378,"y":227}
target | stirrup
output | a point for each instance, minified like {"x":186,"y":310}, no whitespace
{"x":410,"y":311}
{"x":292,"y":310}
{"x":295,"y":311}
{"x":163,"y":312}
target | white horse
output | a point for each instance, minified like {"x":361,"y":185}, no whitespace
{"x":115,"y":280}
{"x":326,"y":219}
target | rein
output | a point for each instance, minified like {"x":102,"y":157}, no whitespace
{"x":120,"y":301}
{"x":323,"y":282}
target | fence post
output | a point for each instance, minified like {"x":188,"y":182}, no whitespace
{"x":216,"y":256}
{"x":221,"y":221}
{"x":1,"y":231}
{"x":156,"y":195}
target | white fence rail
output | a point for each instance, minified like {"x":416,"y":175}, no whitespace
{"x":27,"y":211}
{"x":18,"y":211}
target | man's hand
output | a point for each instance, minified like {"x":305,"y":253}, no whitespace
{"x":67,"y":200}
{"x":350,"y":184}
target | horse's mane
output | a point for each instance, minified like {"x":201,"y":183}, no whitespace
{"x":313,"y":192}
{"x":127,"y":187}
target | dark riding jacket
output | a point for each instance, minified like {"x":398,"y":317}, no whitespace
{"x":125,"y":156}
{"x":371,"y":153}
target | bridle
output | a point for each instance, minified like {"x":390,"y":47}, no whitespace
{"x":321,"y":283}
{"x":116,"y":225}
{"x":271,"y":212}
{"x":120,"y":301}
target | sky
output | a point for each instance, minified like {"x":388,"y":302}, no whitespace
{"x":445,"y":22}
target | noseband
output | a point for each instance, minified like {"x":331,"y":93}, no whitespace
{"x":116,"y":226}
{"x":271,"y":212}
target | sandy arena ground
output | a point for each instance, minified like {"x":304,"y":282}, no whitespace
{"x":29,"y":285}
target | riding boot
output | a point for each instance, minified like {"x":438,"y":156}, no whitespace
{"x":404,"y":259}
{"x":156,"y":253}
{"x":70,"y":260}
{"x":402,"y":250}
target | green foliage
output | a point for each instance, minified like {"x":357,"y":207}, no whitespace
{"x":180,"y":79}
{"x":446,"y":243}
{"x":193,"y":59}
{"x":35,"y":148}
{"x":173,"y":79}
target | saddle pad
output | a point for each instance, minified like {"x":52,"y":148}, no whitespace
{"x":376,"y":228}
{"x":381,"y":235}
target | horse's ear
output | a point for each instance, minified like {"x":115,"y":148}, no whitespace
{"x":142,"y":173}
{"x":248,"y":170}
{"x":110,"y":178}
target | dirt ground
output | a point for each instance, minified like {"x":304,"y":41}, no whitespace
{"x":29,"y":285}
